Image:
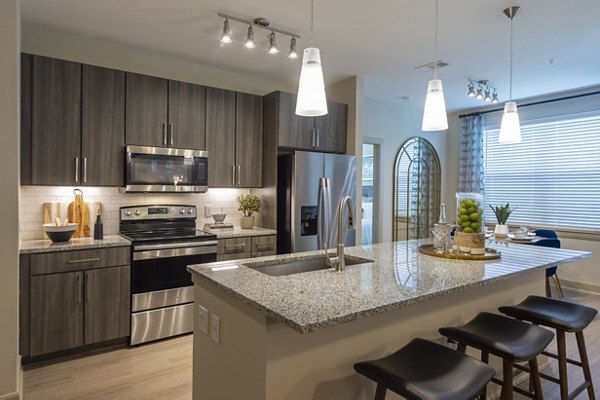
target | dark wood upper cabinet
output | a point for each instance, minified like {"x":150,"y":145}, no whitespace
{"x":107,"y":304}
{"x":56,"y":312}
{"x":248,"y":140}
{"x":332,"y":128}
{"x":55,"y":122}
{"x":294,"y":131}
{"x":146,"y":116}
{"x":26,"y":87}
{"x":220,"y":137}
{"x":103,"y":126}
{"x":187,"y":114}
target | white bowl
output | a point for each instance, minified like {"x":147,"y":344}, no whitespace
{"x":71,"y":226}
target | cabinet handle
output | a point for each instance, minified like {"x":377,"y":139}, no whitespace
{"x":164,"y":133}
{"x":235,"y":247}
{"x":265,"y":246}
{"x":318,"y":131}
{"x":239,"y":170}
{"x":313,"y":138}
{"x":85,"y":260}
{"x":76,"y":169}
{"x":171,"y":134}
{"x":88,"y":288}
{"x":78,"y":287}
{"x":233,"y":175}
{"x":84,"y":169}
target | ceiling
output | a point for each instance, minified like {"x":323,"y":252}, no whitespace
{"x":381,"y":41}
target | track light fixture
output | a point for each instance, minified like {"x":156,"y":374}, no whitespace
{"x":262,"y":23}
{"x":484,"y":91}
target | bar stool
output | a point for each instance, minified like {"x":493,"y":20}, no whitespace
{"x":564,"y":316}
{"x":427,"y":370}
{"x":509,"y":339}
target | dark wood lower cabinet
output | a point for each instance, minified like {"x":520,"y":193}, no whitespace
{"x":107,"y":304}
{"x":56,"y":312}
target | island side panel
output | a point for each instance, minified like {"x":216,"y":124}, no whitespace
{"x":318,"y":365}
{"x":234,"y":368}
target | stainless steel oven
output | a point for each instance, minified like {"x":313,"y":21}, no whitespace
{"x":161,"y":169}
{"x":164,"y":242}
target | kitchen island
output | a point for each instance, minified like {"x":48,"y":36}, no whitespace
{"x":297,"y":336}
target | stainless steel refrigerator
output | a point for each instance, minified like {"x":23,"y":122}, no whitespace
{"x":309,"y":188}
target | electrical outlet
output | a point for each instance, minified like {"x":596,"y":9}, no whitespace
{"x":208,"y":211}
{"x":203,"y":319}
{"x":214,"y":328}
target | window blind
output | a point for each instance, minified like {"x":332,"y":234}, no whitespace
{"x":552,"y":177}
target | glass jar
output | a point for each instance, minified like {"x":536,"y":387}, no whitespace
{"x":469,"y":212}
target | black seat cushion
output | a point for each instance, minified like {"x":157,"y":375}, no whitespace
{"x":560,"y":314}
{"x":502,"y":336}
{"x":427,"y":370}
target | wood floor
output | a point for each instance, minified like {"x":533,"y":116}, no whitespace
{"x":164,"y":370}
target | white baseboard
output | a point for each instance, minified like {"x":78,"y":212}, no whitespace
{"x":11,"y":396}
{"x":589,"y":287}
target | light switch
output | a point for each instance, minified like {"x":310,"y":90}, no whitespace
{"x":202,"y":319}
{"x":214,"y":328}
{"x":207,"y":211}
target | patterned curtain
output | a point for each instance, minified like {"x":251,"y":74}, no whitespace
{"x":470,"y":173}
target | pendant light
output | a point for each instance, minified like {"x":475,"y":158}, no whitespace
{"x":434,"y":114}
{"x":510,"y":128}
{"x":311,"y":101}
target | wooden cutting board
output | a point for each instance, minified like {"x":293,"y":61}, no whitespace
{"x":55,"y":209}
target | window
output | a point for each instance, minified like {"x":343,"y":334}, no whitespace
{"x":552,"y":177}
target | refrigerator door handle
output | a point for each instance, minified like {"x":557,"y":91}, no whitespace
{"x":319,"y":214}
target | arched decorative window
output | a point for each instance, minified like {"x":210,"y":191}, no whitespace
{"x":416,"y":190}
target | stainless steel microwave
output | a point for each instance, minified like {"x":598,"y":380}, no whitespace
{"x":162,"y":169}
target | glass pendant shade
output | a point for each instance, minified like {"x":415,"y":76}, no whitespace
{"x":311,"y":100}
{"x":510,"y":128}
{"x":434,"y":115}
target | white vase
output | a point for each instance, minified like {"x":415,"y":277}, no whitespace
{"x":247,"y":222}
{"x":501,"y":230}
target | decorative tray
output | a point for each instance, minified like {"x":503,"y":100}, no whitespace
{"x":490,"y":254}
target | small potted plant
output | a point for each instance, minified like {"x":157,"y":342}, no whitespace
{"x":248,"y":204}
{"x":502,"y":213}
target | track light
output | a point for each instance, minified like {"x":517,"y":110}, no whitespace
{"x":293,"y":52}
{"x":471,"y":90}
{"x":495,"y":97}
{"x":226,"y":36}
{"x":484,"y":91}
{"x":249,"y":43}
{"x":488,"y":96}
{"x":273,"y":49}
{"x":479,"y":95}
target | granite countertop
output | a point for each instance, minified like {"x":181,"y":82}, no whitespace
{"x":398,"y":277}
{"x":239,"y":232}
{"x":47,"y":246}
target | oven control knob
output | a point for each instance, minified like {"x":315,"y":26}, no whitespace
{"x":190,"y":211}
{"x":128,"y":213}
{"x":182,"y":211}
{"x":138,"y":212}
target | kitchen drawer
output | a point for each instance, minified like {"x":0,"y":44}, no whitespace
{"x":233,"y":256}
{"x":78,"y":260}
{"x":234,"y":245}
{"x":264,"y":246}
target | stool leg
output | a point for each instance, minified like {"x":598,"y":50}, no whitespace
{"x":461,"y":348}
{"x":535,"y":378}
{"x":485,"y":357}
{"x":558,"y":287}
{"x":380,"y":392}
{"x":507,"y":380}
{"x":562,"y":365}
{"x":586,"y":365}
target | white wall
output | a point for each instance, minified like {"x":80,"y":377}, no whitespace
{"x":393,"y":123}
{"x":9,"y":197}
{"x":583,"y":274}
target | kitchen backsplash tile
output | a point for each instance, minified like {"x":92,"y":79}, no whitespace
{"x":32,"y":199}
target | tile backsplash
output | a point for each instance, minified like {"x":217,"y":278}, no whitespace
{"x":32,"y":198}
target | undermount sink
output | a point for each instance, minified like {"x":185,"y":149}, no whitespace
{"x":290,"y":267}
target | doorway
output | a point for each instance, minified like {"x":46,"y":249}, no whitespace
{"x":369,"y":177}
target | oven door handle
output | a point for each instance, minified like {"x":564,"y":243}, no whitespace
{"x":145,"y":247}
{"x":173,"y":253}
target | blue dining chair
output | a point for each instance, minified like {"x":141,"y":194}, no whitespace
{"x":552,"y":241}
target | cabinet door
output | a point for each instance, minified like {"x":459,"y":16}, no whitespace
{"x":56,"y":121}
{"x":103,"y":126}
{"x":264,"y":246}
{"x":187,"y":111}
{"x":220,"y":137}
{"x":107,"y":304}
{"x":248,"y":140}
{"x":332,"y":128}
{"x":146,"y":110}
{"x":26,"y":87}
{"x":294,"y":131}
{"x":56,"y":312}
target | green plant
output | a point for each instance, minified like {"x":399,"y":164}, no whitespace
{"x":248,"y":204}
{"x":502,"y":213}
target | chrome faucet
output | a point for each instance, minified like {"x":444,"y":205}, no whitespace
{"x":338,"y":262}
